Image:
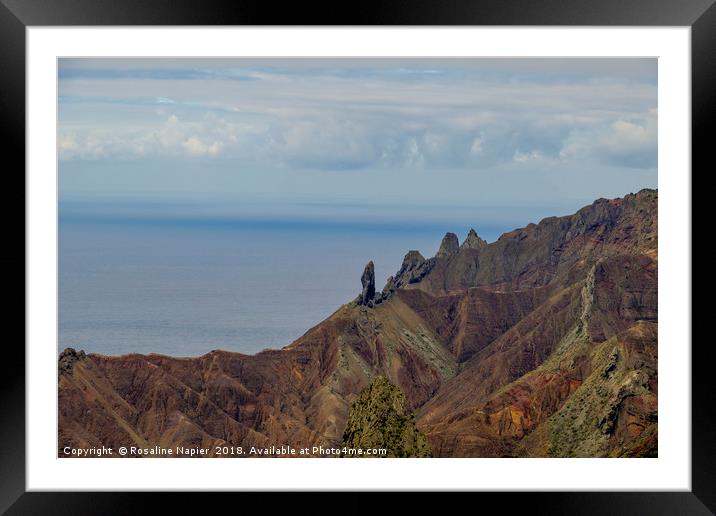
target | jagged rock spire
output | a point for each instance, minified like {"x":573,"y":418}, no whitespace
{"x":473,"y":241}
{"x":449,"y":246}
{"x":412,"y":260}
{"x":389,"y":288}
{"x":367,"y":279}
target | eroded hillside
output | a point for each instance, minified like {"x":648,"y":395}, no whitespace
{"x":543,"y":343}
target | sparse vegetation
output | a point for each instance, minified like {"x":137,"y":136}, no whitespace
{"x":378,"y":419}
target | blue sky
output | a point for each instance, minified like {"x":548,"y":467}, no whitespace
{"x":504,"y":138}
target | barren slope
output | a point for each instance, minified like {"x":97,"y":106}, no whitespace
{"x":541,"y":343}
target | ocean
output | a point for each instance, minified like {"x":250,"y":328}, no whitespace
{"x":184,"y":286}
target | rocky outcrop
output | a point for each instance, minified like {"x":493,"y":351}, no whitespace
{"x":472,"y":241}
{"x":378,"y":420}
{"x":449,"y":246}
{"x":389,"y":288}
{"x":367,"y":280}
{"x":67,"y":360}
{"x":413,"y":269}
{"x":412,"y":261}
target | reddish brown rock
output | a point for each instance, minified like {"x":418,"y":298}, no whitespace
{"x":542,"y":343}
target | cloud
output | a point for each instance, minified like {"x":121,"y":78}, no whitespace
{"x":195,"y":147}
{"x":353,"y":118}
{"x":476,"y":149}
{"x":173,"y":138}
{"x":623,"y":142}
{"x":87,"y":146}
{"x":525,"y":157}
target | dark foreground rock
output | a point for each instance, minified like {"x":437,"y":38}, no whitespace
{"x":67,"y":360}
{"x":378,"y":420}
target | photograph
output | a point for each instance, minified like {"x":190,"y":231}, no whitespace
{"x":357,"y":257}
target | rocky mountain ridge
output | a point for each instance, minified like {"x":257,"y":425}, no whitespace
{"x":542,"y":343}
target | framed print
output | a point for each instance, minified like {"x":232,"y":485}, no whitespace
{"x":456,"y":241}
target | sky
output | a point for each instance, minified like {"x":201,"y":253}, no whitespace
{"x":501,"y":140}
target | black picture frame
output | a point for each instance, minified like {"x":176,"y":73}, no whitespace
{"x":17,"y":15}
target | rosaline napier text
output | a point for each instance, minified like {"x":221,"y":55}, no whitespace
{"x":219,"y":451}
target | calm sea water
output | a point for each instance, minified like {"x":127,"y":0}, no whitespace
{"x":186,"y":287}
